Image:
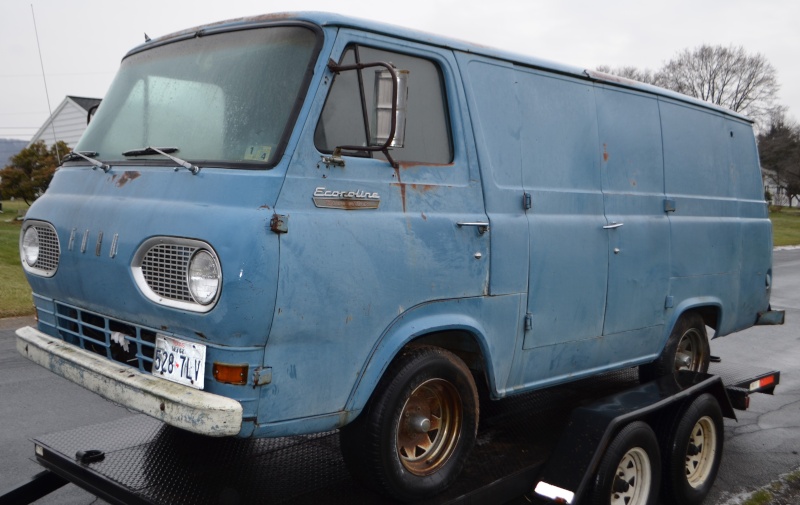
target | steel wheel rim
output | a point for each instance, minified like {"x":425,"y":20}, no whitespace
{"x":429,"y":427}
{"x":689,"y":355}
{"x":633,"y":479}
{"x":701,"y":451}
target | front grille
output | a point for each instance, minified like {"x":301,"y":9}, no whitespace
{"x":165,"y":267}
{"x":122,"y":342}
{"x":48,"y":248}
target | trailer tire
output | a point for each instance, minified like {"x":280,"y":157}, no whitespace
{"x":694,"y":452}
{"x":416,"y":431}
{"x":630,"y":470}
{"x":687,"y":349}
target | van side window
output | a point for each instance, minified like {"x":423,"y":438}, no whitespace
{"x":345,"y":117}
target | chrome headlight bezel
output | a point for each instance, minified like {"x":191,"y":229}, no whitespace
{"x":161,"y":270}
{"x":39,"y":248}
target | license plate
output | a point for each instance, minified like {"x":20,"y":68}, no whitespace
{"x":180,"y":361}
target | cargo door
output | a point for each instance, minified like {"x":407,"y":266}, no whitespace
{"x":568,"y":243}
{"x":637,"y":224}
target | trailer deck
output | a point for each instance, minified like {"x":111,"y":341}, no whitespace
{"x":139,"y":460}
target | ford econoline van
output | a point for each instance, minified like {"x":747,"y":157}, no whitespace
{"x":291,"y":224}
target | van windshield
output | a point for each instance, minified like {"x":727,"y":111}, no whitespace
{"x":225,"y":99}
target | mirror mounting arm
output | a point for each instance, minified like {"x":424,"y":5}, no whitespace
{"x":384,"y":148}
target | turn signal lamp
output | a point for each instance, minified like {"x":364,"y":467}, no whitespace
{"x":230,"y":374}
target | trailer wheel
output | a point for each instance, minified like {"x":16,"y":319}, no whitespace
{"x":415,"y":433}
{"x":694,"y":452}
{"x":687,"y":349}
{"x":630,"y":471}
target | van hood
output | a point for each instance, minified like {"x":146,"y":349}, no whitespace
{"x":102,"y":220}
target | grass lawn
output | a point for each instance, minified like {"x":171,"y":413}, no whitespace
{"x":15,"y":294}
{"x":785,"y":225}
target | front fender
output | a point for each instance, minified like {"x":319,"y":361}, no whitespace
{"x":493,"y":322}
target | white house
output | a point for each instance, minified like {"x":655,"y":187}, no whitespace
{"x":772,"y":186}
{"x":69,"y":120}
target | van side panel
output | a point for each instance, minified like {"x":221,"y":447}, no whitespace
{"x":756,"y":272}
{"x":715,"y":233}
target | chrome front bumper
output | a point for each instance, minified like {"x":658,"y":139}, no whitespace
{"x":175,"y":404}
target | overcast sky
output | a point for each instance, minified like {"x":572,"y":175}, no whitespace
{"x":82,"y":41}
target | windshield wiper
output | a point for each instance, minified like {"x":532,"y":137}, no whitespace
{"x":143,"y":151}
{"x":194,"y":169}
{"x":95,"y":164}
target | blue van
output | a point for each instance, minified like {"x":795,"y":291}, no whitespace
{"x":290,"y":224}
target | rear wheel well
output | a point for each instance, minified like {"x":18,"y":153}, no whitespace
{"x":709,"y":314}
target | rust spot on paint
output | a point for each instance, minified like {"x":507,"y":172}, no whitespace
{"x":265,"y":206}
{"x":605,"y":152}
{"x":402,"y":188}
{"x":424,"y":217}
{"x":423,"y":188}
{"x":127,"y":177}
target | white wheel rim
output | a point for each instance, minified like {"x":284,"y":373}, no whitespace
{"x":633,"y":479}
{"x":701,"y":451}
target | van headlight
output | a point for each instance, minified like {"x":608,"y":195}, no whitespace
{"x":39,"y":250}
{"x":30,"y":246}
{"x":178,"y":272}
{"x":203,"y":277}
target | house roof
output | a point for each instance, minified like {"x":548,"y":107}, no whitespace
{"x":85,"y":103}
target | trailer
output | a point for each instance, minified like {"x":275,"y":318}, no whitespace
{"x":561,"y":445}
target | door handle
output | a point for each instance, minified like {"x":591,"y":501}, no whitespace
{"x":482,"y":226}
{"x":612,"y":226}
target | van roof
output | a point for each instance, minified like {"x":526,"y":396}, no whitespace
{"x":336,"y":20}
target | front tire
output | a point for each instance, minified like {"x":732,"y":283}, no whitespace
{"x":415,"y":433}
{"x":687,"y":349}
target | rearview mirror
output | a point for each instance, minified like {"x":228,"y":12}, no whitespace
{"x":387,"y":114}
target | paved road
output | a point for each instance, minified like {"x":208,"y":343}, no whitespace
{"x":763,"y":444}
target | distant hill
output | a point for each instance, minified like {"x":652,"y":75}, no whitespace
{"x":8,"y":148}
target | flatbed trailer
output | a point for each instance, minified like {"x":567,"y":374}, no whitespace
{"x":552,"y":440}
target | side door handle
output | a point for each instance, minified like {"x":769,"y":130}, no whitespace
{"x":612,"y":226}
{"x":483,"y":227}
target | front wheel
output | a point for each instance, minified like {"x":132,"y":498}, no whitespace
{"x":414,"y":435}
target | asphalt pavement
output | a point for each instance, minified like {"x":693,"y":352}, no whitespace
{"x":762,"y":445}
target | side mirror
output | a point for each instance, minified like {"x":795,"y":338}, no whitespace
{"x":388,"y":114}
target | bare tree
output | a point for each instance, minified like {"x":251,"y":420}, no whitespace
{"x":630,"y":72}
{"x":725,"y":76}
{"x":779,"y":149}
